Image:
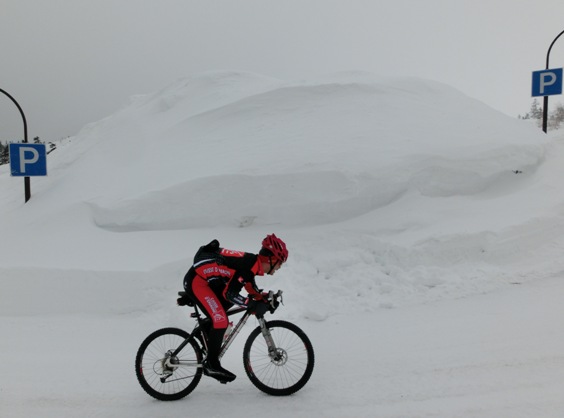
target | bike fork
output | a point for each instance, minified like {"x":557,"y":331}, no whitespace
{"x":272,"y":350}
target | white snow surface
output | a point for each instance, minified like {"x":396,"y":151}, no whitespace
{"x":425,"y":232}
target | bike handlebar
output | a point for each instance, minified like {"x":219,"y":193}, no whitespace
{"x":273,"y":298}
{"x":270,"y":302}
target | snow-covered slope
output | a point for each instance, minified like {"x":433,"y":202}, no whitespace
{"x":387,"y":189}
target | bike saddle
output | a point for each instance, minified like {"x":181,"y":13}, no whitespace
{"x":185,"y":299}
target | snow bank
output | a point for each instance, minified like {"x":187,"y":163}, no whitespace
{"x":388,"y":190}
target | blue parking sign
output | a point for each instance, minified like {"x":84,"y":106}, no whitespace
{"x":547,"y":82}
{"x":28,"y":160}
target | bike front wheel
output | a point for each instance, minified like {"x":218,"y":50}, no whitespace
{"x":284,"y":371}
{"x":161,"y":374}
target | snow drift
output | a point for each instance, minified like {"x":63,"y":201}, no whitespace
{"x":388,"y":190}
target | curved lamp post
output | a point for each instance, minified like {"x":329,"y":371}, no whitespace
{"x":27,"y":182}
{"x":545,"y":103}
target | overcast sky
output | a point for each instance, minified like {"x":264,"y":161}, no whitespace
{"x":72,"y":62}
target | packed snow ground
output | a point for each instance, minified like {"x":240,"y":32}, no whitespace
{"x":425,"y":233}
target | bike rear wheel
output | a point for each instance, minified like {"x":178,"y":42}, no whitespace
{"x":286,"y":371}
{"x":163,"y":376}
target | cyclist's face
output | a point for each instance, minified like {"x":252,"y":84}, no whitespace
{"x":274,"y":267}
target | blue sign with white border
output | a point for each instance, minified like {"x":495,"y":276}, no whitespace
{"x":547,"y":82}
{"x":28,"y":160}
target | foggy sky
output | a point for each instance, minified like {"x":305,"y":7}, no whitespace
{"x":72,"y":62}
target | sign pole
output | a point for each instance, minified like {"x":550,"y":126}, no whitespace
{"x":27,"y":182}
{"x":545,"y":114}
{"x":545,"y":102}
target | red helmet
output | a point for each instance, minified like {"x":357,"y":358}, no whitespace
{"x":276,"y":246}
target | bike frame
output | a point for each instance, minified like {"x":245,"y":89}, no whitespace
{"x":234,"y":331}
{"x":226,"y":344}
{"x":198,"y":332}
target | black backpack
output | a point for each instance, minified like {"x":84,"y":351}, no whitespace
{"x":209,"y":251}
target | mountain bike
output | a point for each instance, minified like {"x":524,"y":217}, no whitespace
{"x":278,"y":356}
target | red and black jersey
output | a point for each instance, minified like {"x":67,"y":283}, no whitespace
{"x":236,"y":269}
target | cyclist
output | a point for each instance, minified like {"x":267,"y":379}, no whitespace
{"x":216,"y":279}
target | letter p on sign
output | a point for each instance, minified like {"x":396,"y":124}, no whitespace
{"x":28,"y":160}
{"x":547,"y":82}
